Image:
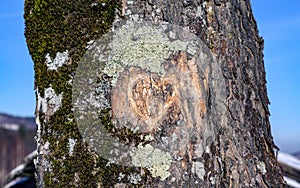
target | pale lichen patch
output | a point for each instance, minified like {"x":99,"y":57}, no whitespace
{"x":76,"y":178}
{"x":121,"y":176}
{"x":118,"y":185}
{"x":207,"y":149}
{"x":213,"y":180}
{"x":198,"y":169}
{"x":45,"y":163}
{"x":155,"y":160}
{"x":149,"y":138}
{"x":261,"y":167}
{"x":60,"y":59}
{"x":45,"y":148}
{"x":50,"y":99}
{"x":134,"y":178}
{"x":71,"y":146}
{"x":199,"y":12}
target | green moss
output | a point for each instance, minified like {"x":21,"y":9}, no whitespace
{"x":124,"y":134}
{"x":56,"y":26}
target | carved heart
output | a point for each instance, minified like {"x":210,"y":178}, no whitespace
{"x":148,"y":100}
{"x":151,"y":97}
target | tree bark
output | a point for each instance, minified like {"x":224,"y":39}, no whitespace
{"x":214,"y":114}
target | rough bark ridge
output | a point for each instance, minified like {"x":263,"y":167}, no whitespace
{"x":239,"y":151}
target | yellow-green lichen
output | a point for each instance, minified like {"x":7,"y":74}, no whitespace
{"x":155,"y":160}
{"x":146,"y":46}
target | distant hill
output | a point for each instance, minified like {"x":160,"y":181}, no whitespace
{"x":16,"y":141}
{"x":297,"y":154}
{"x":290,"y":166}
{"x":14,"y":122}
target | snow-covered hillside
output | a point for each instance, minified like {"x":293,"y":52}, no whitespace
{"x":14,"y":122}
{"x":16,"y":141}
{"x":290,"y":166}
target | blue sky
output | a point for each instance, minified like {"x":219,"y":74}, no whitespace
{"x":278,"y":22}
{"x":16,"y":67}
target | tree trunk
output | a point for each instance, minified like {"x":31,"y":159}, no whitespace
{"x":174,"y":96}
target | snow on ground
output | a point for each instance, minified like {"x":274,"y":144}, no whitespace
{"x":289,"y":160}
{"x":291,"y":169}
{"x":13,"y":127}
{"x":291,"y":182}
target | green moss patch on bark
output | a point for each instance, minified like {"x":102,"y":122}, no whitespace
{"x":54,"y":26}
